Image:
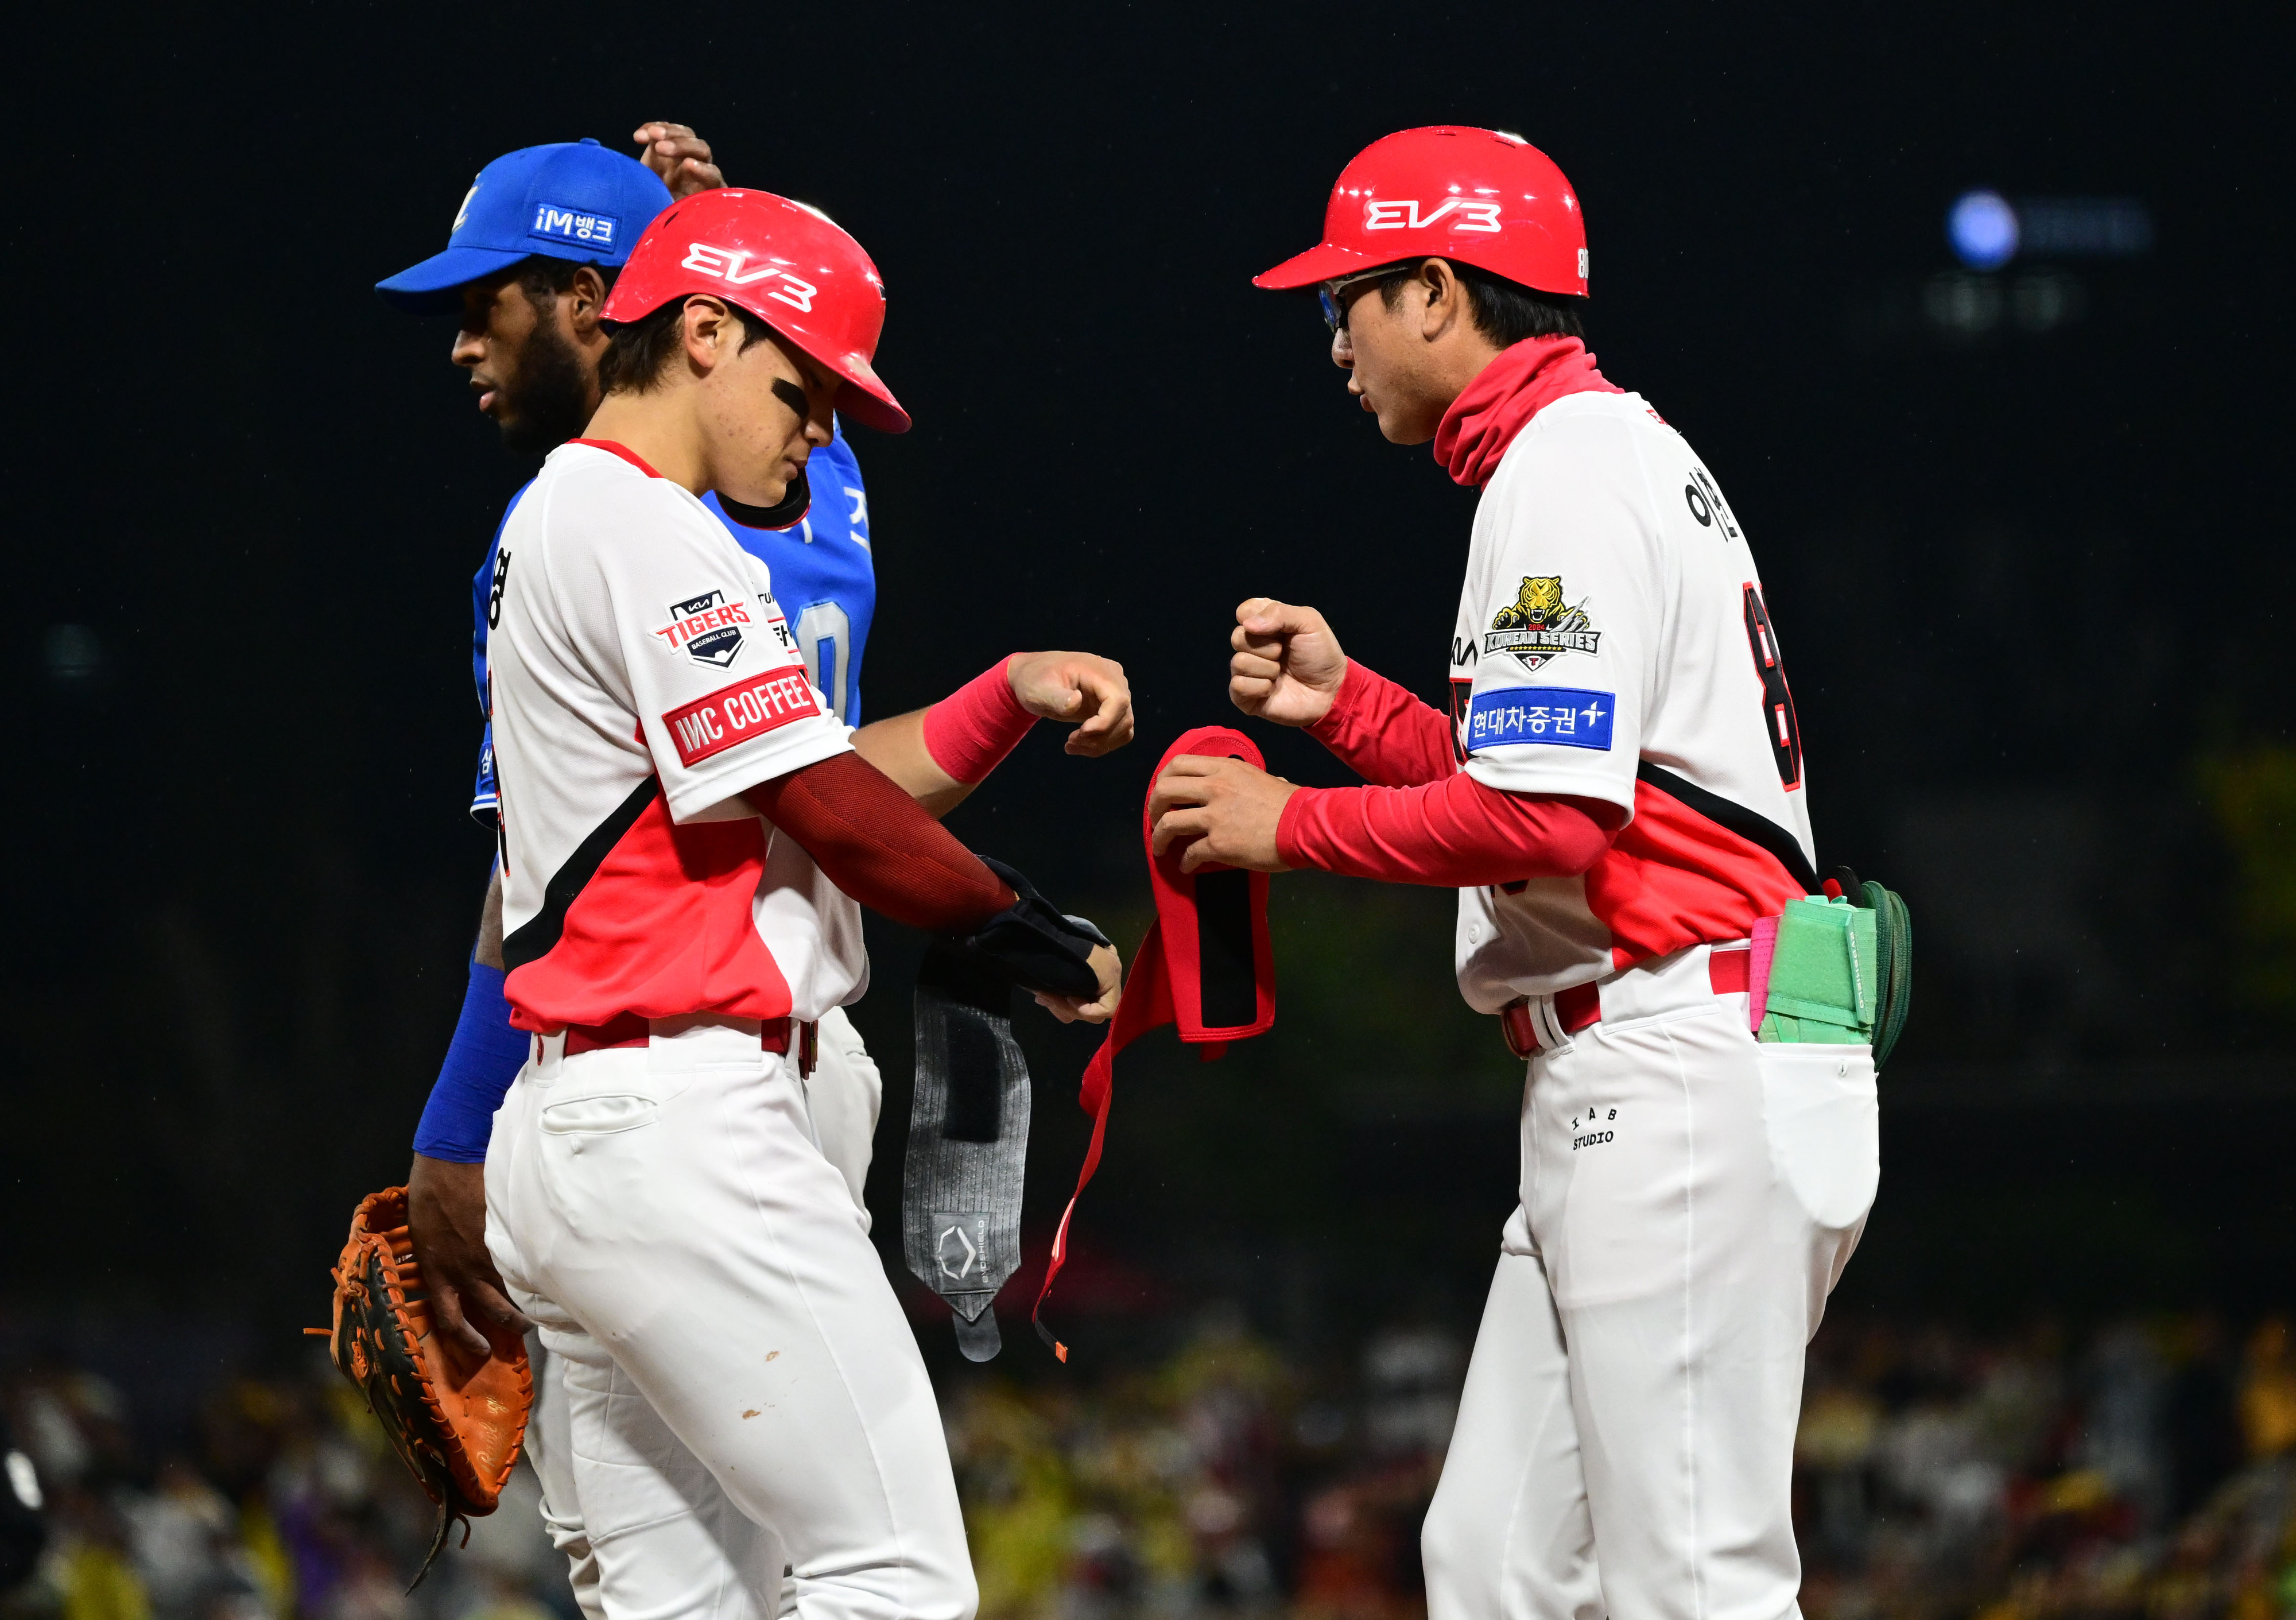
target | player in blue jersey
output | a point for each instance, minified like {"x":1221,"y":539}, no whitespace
{"x":534,"y":250}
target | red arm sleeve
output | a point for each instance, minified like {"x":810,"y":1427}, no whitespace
{"x":1383,"y":734}
{"x":877,"y":844}
{"x":1456,"y":834}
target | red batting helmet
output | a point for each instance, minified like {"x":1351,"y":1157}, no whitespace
{"x":788,"y":265}
{"x":1485,"y":199}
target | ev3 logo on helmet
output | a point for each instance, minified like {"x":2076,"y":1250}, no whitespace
{"x":1404,"y":214}
{"x":727,"y":264}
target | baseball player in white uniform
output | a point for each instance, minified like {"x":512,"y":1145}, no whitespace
{"x":497,"y":270}
{"x":1618,"y":793}
{"x":686,"y":830}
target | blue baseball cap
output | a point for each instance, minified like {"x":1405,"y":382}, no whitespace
{"x":569,"y":200}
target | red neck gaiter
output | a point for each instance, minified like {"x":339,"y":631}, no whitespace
{"x":1499,"y":404}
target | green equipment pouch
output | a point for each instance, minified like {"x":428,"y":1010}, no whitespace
{"x":1843,"y":970}
{"x":1825,"y":980}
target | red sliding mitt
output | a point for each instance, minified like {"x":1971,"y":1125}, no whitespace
{"x":1206,"y":965}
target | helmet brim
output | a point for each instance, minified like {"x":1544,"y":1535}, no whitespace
{"x":866,"y":400}
{"x":1320,"y":263}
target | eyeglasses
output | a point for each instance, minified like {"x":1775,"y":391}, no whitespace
{"x":1329,"y":296}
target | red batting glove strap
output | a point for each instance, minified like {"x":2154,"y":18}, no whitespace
{"x":1456,"y":834}
{"x":969,"y":732}
{"x":1383,"y":734}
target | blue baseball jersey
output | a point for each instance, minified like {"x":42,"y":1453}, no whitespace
{"x":825,"y":580}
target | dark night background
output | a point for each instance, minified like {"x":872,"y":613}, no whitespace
{"x":2030,"y":569}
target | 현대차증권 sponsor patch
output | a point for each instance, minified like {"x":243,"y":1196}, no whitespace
{"x":1564,"y":716}
{"x":1539,"y":626}
{"x":736,"y":713}
{"x":706,"y":627}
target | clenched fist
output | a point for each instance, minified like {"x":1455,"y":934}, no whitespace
{"x":1084,"y":689}
{"x":1288,"y":665}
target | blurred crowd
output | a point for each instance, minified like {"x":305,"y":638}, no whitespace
{"x":2143,"y":1469}
{"x":1229,"y":1479}
{"x":2146,"y":1469}
{"x":276,"y":1499}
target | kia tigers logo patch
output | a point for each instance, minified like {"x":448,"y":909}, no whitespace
{"x":708,"y":628}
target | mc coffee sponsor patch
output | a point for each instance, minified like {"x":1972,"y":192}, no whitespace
{"x":736,"y":713}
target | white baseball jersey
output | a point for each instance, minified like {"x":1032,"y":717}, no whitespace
{"x":1612,"y":644}
{"x":643,"y":680}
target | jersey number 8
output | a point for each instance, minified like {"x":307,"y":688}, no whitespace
{"x":1778,"y":722}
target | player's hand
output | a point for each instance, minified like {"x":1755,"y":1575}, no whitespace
{"x":1288,"y":665}
{"x":1087,"y":691}
{"x":1068,"y":1009}
{"x":447,"y":1223}
{"x":679,"y":156}
{"x":1225,"y":810}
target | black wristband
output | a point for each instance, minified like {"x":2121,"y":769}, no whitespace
{"x":1031,"y":943}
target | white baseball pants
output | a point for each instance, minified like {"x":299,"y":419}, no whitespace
{"x":1690,"y":1196}
{"x":844,"y":1097}
{"x":746,"y":1425}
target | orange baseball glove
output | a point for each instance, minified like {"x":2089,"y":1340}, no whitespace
{"x":457,"y":1428}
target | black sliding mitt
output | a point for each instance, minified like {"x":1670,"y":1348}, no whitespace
{"x":1035,"y":946}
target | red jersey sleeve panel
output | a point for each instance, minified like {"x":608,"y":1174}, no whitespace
{"x":1690,"y":866}
{"x":653,"y":917}
{"x":1456,"y":834}
{"x":1383,"y":734}
{"x":649,"y":917}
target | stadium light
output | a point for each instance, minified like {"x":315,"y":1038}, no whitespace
{"x":1986,"y":230}
{"x":1982,"y":228}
